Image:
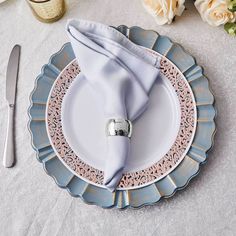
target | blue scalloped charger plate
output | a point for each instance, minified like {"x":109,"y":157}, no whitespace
{"x":163,"y":187}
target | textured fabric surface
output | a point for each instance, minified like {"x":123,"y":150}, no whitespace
{"x":30,"y":201}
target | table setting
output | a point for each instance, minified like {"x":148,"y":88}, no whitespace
{"x":117,"y":115}
{"x":65,"y":135}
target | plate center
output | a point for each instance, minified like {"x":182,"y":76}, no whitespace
{"x":154,"y":132}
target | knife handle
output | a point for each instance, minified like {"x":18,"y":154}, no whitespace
{"x":9,"y":150}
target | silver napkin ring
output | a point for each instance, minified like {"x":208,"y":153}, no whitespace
{"x":119,"y":127}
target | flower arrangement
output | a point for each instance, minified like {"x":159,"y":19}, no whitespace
{"x":214,"y":12}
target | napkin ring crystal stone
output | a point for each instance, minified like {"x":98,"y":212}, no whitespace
{"x":119,"y":127}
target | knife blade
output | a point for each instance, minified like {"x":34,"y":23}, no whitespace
{"x":12,"y":74}
{"x":11,"y":83}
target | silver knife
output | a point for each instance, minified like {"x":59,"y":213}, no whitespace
{"x":11,"y":82}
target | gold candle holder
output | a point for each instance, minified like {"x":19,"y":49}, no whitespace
{"x":47,"y":10}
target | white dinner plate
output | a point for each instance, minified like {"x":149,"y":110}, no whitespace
{"x":161,"y":136}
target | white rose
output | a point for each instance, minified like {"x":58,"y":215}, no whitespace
{"x":164,"y":10}
{"x":215,"y":12}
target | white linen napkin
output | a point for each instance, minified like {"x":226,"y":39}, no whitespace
{"x":121,"y":75}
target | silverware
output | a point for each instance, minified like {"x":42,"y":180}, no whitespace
{"x":11,"y":82}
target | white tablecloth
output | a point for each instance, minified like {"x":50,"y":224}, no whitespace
{"x":30,"y":201}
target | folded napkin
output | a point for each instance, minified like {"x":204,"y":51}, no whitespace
{"x":121,"y":75}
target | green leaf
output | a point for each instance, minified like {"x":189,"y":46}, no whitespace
{"x":230,"y":28}
{"x":232,"y":5}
